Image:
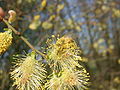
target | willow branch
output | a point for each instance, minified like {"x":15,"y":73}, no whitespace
{"x":23,"y":38}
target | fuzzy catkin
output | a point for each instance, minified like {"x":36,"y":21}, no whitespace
{"x":5,"y":41}
{"x":68,"y":73}
{"x":69,"y":80}
{"x":64,"y":53}
{"x":28,"y":73}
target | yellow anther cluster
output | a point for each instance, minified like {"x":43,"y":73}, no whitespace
{"x":5,"y":41}
{"x":63,"y":48}
{"x":64,"y":53}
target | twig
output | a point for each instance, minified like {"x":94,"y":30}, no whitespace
{"x":23,"y":38}
{"x":13,"y":29}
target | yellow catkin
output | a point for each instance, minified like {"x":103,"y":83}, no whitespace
{"x":64,"y":53}
{"x":69,"y":80}
{"x":5,"y":41}
{"x":63,"y":48}
{"x":28,"y":73}
{"x":72,"y":78}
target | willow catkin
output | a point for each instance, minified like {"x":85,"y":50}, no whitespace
{"x":64,"y":53}
{"x":28,"y":73}
{"x":69,"y":80}
{"x":68,"y":73}
{"x":5,"y":41}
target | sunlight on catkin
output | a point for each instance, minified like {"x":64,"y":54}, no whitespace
{"x":28,"y":73}
{"x":64,"y":52}
{"x":69,"y":80}
{"x":5,"y":41}
{"x":75,"y":79}
{"x":68,"y":74}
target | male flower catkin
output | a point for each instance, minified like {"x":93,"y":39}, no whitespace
{"x":64,"y":53}
{"x":28,"y":73}
{"x":68,"y":74}
{"x":69,"y":80}
{"x":73,"y":80}
{"x":5,"y":40}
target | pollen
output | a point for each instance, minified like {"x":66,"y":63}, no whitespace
{"x":5,"y":41}
{"x":65,"y":46}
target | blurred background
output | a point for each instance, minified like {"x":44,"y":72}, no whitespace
{"x":93,"y":24}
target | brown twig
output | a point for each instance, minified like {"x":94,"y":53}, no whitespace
{"x":23,"y":38}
